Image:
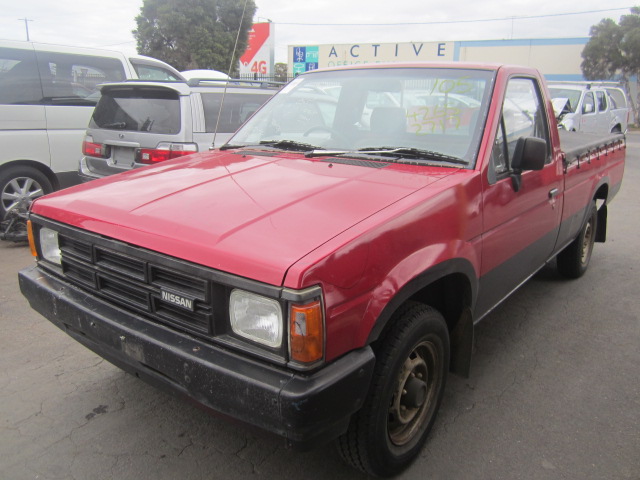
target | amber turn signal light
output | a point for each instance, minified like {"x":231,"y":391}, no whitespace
{"x":306,"y":335}
{"x":32,"y":243}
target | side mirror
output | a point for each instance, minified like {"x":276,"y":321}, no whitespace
{"x":588,"y":108}
{"x":530,"y":154}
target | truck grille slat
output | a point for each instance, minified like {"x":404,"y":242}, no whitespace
{"x":135,"y":282}
{"x":125,"y":265}
{"x":177,"y":281}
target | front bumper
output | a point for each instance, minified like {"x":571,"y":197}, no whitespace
{"x":307,"y":410}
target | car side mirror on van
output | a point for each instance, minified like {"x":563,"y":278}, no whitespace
{"x":530,"y":154}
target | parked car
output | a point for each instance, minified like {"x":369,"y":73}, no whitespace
{"x":47,"y":95}
{"x":590,"y":109}
{"x":143,"y":123}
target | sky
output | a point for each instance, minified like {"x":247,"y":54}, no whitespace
{"x":108,"y":23}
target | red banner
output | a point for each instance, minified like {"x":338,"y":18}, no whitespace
{"x":258,"y":35}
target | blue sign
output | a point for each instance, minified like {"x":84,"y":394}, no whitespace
{"x":305,"y":59}
{"x":300,"y":54}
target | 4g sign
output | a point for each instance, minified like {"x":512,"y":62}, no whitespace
{"x":258,"y":58}
{"x":259,"y":67}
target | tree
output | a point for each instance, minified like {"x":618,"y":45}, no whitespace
{"x":280,"y":73}
{"x":194,"y":34}
{"x":613,"y":51}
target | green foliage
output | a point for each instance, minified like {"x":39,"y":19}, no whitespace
{"x":602,"y":56}
{"x":613,"y":51}
{"x":281,"y":74}
{"x":194,"y":34}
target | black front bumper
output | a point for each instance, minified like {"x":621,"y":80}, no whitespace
{"x":307,"y":410}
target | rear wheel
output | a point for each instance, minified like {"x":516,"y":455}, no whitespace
{"x":574,"y":259}
{"x":412,"y":362}
{"x":19,"y":186}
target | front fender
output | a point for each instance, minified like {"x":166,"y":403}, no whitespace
{"x":388,"y":297}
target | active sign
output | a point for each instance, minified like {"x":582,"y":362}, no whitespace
{"x":304,"y":58}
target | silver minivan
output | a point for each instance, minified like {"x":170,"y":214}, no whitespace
{"x":142,"y":123}
{"x":47,"y":95}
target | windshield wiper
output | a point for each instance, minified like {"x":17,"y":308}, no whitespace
{"x":290,"y":145}
{"x":280,"y":144}
{"x":228,"y":146}
{"x":408,"y":152}
{"x":398,"y":152}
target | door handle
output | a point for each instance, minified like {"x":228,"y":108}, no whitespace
{"x":553,"y":193}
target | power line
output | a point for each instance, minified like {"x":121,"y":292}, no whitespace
{"x":511,"y":18}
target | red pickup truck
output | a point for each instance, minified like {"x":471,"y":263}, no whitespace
{"x":320,"y":274}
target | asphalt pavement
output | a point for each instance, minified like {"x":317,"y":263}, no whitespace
{"x":554,"y":391}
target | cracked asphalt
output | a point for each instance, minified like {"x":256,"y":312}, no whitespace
{"x":554,"y":391}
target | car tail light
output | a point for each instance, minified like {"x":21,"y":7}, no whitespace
{"x":164,"y":151}
{"x":92,"y":149}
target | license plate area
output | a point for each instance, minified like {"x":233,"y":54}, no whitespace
{"x":124,"y":156}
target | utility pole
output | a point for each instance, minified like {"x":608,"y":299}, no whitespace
{"x":26,"y":25}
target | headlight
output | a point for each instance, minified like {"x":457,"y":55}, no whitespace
{"x":256,"y":317}
{"x":49,"y":246}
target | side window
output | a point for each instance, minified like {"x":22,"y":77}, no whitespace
{"x":237,"y":107}
{"x":19,"y":77}
{"x":69,"y":79}
{"x":588,"y":104}
{"x":153,"y":72}
{"x":523,"y":115}
{"x":602,"y":101}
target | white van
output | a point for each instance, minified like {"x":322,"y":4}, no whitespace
{"x":47,"y":95}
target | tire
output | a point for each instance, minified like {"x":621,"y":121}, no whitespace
{"x":19,"y":186}
{"x":574,"y":259}
{"x":387,"y":434}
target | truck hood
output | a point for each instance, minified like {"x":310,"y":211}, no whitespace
{"x":252,"y":214}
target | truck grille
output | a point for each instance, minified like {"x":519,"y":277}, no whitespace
{"x":135,"y":280}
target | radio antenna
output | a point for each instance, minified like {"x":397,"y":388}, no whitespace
{"x":224,"y":93}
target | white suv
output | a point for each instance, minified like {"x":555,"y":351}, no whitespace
{"x":588,"y":108}
{"x":143,"y":123}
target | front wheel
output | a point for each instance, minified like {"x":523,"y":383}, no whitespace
{"x":412,"y":362}
{"x":574,"y":259}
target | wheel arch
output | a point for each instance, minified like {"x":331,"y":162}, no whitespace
{"x":41,"y":167}
{"x":451,"y":288}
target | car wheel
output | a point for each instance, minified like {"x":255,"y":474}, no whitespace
{"x":574,"y":259}
{"x":19,"y":186}
{"x":412,"y":361}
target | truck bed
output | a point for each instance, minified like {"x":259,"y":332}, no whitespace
{"x":577,"y":144}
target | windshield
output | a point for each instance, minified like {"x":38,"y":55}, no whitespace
{"x":570,"y":94}
{"x":426,"y":109}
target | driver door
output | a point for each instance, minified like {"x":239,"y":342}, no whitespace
{"x":520,"y":224}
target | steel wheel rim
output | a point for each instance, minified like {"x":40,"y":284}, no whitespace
{"x":19,"y":192}
{"x":587,"y":241}
{"x":414,"y":394}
